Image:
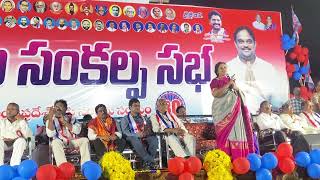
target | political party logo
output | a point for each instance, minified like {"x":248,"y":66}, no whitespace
{"x":173,"y":100}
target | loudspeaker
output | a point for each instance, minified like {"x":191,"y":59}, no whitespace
{"x":313,"y":140}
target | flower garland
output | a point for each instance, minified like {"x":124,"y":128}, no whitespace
{"x":116,"y":167}
{"x":218,"y":165}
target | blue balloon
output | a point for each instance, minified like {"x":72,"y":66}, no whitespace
{"x":19,"y":178}
{"x":296,"y":67}
{"x":269,"y":161}
{"x":285,"y":38}
{"x":91,"y":170}
{"x":286,"y":46}
{"x":304,"y":70}
{"x":15,"y":170}
{"x":314,"y":170}
{"x":27,"y":169}
{"x":263,"y":174}
{"x":302,"y":159}
{"x":292,"y":42}
{"x":6,"y":172}
{"x":315,"y":156}
{"x":296,"y":76}
{"x":255,"y":161}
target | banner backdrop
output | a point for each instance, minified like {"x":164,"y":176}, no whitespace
{"x":108,"y":52}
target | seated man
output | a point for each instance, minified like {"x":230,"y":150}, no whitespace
{"x":14,"y":131}
{"x":267,"y":120}
{"x":181,"y":114}
{"x":178,"y":135}
{"x":103,"y":133}
{"x":308,"y":115}
{"x":137,"y":129}
{"x":295,"y":122}
{"x":63,"y":129}
{"x":84,"y":125}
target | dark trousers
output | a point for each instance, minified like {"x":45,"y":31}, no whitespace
{"x":298,"y":142}
{"x":100,"y":148}
{"x":146,"y":155}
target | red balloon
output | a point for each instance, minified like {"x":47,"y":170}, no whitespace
{"x":305,"y":51}
{"x":297,"y":49}
{"x":286,"y":165}
{"x":301,"y":58}
{"x":193,"y":165}
{"x":293,"y":56}
{"x":46,"y":172}
{"x":68,"y":170}
{"x":186,"y":176}
{"x":289,"y":74}
{"x":290,"y":68}
{"x":241,"y":165}
{"x":284,"y":150}
{"x":175,"y":166}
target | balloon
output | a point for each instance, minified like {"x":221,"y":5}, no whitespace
{"x":263,"y":174}
{"x":255,"y":161}
{"x":28,"y":169}
{"x":193,"y":165}
{"x":289,"y":74}
{"x":186,"y":176}
{"x":296,"y":67}
{"x":286,"y":165}
{"x":86,"y":165}
{"x":296,"y":76}
{"x":15,"y":170}
{"x":269,"y":161}
{"x":305,"y":51}
{"x":46,"y":172}
{"x":290,"y":68}
{"x":297,"y":49}
{"x":304,"y":70}
{"x":301,"y":58}
{"x":314,"y":170}
{"x":284,"y":150}
{"x":19,"y":178}
{"x":175,"y":166}
{"x":293,"y":55}
{"x":68,"y":170}
{"x":241,"y":165}
{"x":6,"y":172}
{"x":315,"y":156}
{"x":92,"y":170}
{"x":285,"y":38}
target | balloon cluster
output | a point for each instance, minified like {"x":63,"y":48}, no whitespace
{"x":287,"y":42}
{"x":184,"y":168}
{"x":311,"y":161}
{"x":300,"y":54}
{"x":26,"y":170}
{"x":295,"y":71}
{"x":65,"y":171}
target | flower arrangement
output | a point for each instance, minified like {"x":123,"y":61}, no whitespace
{"x":218,"y":165}
{"x":116,"y":167}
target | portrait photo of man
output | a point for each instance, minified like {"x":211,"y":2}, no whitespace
{"x":74,"y":24}
{"x":197,"y":29}
{"x":185,"y":28}
{"x":56,"y":7}
{"x":162,"y":28}
{"x":111,"y":26}
{"x":7,"y":5}
{"x":129,"y":11}
{"x":101,"y":10}
{"x":71,"y":8}
{"x":24,"y":6}
{"x":36,"y":22}
{"x":10,"y":21}
{"x":98,"y":25}
{"x":170,"y":14}
{"x":217,"y":33}
{"x":256,"y":77}
{"x":174,"y":28}
{"x":62,"y":24}
{"x":86,"y":24}
{"x":156,"y":13}
{"x":143,"y":12}
{"x":258,"y":24}
{"x":150,"y":27}
{"x":40,"y":6}
{"x":86,"y":9}
{"x":49,"y":23}
{"x":124,"y":26}
{"x":23,"y":21}
{"x":115,"y":10}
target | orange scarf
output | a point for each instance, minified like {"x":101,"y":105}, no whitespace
{"x":104,"y":129}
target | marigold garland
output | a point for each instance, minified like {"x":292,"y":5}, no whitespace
{"x":116,"y":167}
{"x":218,"y":165}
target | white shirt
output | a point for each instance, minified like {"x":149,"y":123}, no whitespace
{"x":150,"y":30}
{"x":258,"y":25}
{"x":74,"y":28}
{"x":220,"y":35}
{"x":314,"y":117}
{"x":62,"y":28}
{"x":159,"y":126}
{"x":296,"y":123}
{"x":111,"y":29}
{"x":270,"y":84}
{"x":11,"y":130}
{"x":125,"y":30}
{"x":273,"y":121}
{"x":76,"y":129}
